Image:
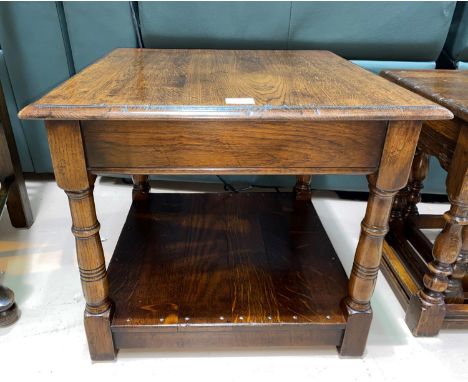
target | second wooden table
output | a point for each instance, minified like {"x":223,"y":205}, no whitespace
{"x":422,"y":274}
{"x":228,"y":269}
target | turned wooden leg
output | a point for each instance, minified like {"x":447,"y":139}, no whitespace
{"x":302,"y":187}
{"x":72,"y":176}
{"x":426,"y":310}
{"x":365,"y":269}
{"x":393,"y":173}
{"x":141,"y":187}
{"x":398,"y":212}
{"x":419,"y":171}
{"x":406,"y":200}
{"x":455,"y":293}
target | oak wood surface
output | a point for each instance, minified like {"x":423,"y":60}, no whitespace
{"x":393,"y":172}
{"x":233,"y":146}
{"x":213,"y":262}
{"x":439,"y":268}
{"x":446,"y":87}
{"x":439,"y":139}
{"x":404,"y":285}
{"x":191,"y":84}
{"x":392,"y":263}
{"x":192,"y":265}
{"x":296,"y":336}
{"x":68,"y":159}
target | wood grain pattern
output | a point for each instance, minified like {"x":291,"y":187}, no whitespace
{"x":427,"y":309}
{"x":456,"y":316}
{"x":252,"y":264}
{"x":193,"y":84}
{"x":442,"y":271}
{"x":391,"y":263}
{"x":446,"y":87}
{"x":407,"y":251}
{"x":228,"y":269}
{"x":395,"y":269}
{"x":394,"y":170}
{"x":241,"y":338}
{"x":232,"y":146}
{"x":392,"y":175}
{"x":454,"y":293}
{"x":67,"y":154}
{"x":439,"y":139}
{"x":72,"y":176}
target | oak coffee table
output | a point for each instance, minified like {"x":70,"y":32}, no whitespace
{"x":227,"y":269}
{"x":422,"y":274}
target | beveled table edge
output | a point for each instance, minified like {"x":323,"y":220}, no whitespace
{"x":241,"y":112}
{"x":395,"y":76}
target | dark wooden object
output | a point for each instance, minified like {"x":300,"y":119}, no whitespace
{"x":213,"y":269}
{"x":302,"y":188}
{"x":13,"y":194}
{"x":423,"y":280}
{"x":187,"y":268}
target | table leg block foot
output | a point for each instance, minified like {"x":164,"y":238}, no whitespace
{"x":99,"y":334}
{"x":356,"y":332}
{"x":423,"y":319}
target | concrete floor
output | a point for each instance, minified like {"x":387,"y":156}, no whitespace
{"x":48,"y":342}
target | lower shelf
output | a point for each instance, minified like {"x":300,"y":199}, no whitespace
{"x":248,"y":269}
{"x":405,"y":277}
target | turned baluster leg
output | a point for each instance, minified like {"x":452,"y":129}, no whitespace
{"x":455,"y":293}
{"x":406,"y":200}
{"x":141,"y":187}
{"x":419,"y":171}
{"x":71,"y":175}
{"x":302,"y":187}
{"x":398,"y":212}
{"x":393,"y":173}
{"x":426,"y":310}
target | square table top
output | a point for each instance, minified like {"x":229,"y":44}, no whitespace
{"x":446,"y":87}
{"x":229,"y":84}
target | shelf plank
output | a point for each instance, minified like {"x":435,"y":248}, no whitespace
{"x":234,"y":263}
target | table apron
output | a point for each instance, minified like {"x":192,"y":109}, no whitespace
{"x":230,"y":147}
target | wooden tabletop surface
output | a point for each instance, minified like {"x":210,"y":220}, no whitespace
{"x":229,"y":84}
{"x":446,"y":87}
